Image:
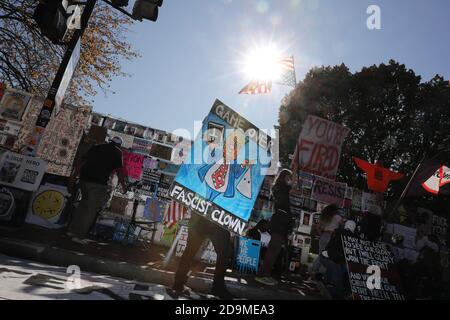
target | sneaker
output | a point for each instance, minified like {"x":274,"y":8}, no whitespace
{"x":79,"y":241}
{"x":176,"y":291}
{"x":222,"y":293}
{"x":266,"y":280}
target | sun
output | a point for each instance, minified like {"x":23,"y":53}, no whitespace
{"x":262,"y":63}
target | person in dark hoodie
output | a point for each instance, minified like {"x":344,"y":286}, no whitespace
{"x":280,"y":225}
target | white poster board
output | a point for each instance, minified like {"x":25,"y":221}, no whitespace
{"x":20,"y":171}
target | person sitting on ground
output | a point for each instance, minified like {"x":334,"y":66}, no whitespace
{"x":94,"y":170}
{"x":333,"y":259}
{"x":281,"y":224}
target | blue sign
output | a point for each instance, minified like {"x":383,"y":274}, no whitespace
{"x":152,"y":210}
{"x":224,"y":170}
{"x":247,"y":257}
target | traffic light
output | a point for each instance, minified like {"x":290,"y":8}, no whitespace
{"x":51,"y":18}
{"x":146,"y":9}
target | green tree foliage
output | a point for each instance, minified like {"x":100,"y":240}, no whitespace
{"x":393,"y":117}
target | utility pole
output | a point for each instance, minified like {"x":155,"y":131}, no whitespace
{"x":143,"y":9}
{"x":49,"y":102}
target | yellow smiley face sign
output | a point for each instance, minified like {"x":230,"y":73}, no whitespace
{"x":48,"y":204}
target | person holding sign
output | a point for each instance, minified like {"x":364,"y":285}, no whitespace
{"x":94,"y":169}
{"x":280,"y":225}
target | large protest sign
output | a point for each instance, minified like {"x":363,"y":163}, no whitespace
{"x":328,"y":191}
{"x":319,"y":147}
{"x":22,"y":172}
{"x":364,"y":259}
{"x":223,"y":172}
{"x":61,"y":138}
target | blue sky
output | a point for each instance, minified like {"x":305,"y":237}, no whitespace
{"x":192,"y":54}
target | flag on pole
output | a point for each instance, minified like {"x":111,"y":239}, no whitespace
{"x":255,"y":87}
{"x":175,"y":212}
{"x":287,"y":76}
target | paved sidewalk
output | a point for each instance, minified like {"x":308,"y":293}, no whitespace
{"x":139,"y":264}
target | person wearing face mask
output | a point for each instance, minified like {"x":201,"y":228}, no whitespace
{"x":280,"y":225}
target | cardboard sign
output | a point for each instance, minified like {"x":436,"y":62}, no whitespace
{"x":132,"y":164}
{"x":319,"y":147}
{"x":247,"y":255}
{"x":372,"y":203}
{"x":21,"y":172}
{"x":222,"y":175}
{"x":360,"y":255}
{"x":13,"y":104}
{"x":328,"y":191}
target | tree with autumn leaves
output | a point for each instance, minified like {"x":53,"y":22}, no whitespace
{"x":29,"y":61}
{"x":392,"y":115}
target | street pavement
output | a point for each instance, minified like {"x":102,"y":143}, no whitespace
{"x":26,"y":280}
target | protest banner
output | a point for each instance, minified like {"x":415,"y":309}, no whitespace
{"x":61,"y":138}
{"x":20,"y":171}
{"x":132,"y":164}
{"x":319,"y":147}
{"x":364,"y":260}
{"x":13,"y":104}
{"x":328,"y":191}
{"x":247,"y":255}
{"x":223,"y":172}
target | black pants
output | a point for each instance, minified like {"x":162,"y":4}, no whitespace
{"x":199,"y":230}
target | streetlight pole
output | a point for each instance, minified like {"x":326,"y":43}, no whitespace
{"x":49,"y":103}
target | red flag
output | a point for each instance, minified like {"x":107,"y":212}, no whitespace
{"x":255,"y":87}
{"x":378,"y":177}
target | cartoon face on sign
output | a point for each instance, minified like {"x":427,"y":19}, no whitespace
{"x":222,"y":177}
{"x":48,"y":204}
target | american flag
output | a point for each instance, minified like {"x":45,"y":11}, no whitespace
{"x":175,"y":212}
{"x":255,"y":87}
{"x":287,"y":76}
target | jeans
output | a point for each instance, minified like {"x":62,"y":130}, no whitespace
{"x":93,"y":197}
